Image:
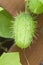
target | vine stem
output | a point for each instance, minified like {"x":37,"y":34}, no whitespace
{"x":5,"y":49}
{"x":26,"y":57}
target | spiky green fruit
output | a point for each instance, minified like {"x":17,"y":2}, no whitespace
{"x":35,"y":6}
{"x":24,"y":29}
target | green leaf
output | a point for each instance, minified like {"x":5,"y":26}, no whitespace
{"x":5,"y":23}
{"x":10,"y":59}
{"x":41,"y":1}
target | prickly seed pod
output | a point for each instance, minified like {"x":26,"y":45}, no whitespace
{"x":24,"y":29}
{"x":35,"y":6}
